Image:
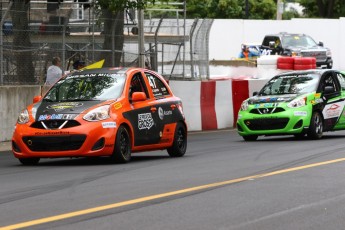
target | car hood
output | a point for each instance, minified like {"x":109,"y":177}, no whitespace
{"x":271,"y":99}
{"x":62,"y":110}
{"x":301,"y":48}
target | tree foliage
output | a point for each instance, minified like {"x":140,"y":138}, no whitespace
{"x":323,"y":8}
{"x":111,"y":13}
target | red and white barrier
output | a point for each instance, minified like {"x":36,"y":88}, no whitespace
{"x":211,"y":105}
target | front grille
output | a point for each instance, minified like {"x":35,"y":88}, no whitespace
{"x":319,"y":55}
{"x":267,"y":110}
{"x":54,"y":143}
{"x":55,"y":124}
{"x":267,"y":124}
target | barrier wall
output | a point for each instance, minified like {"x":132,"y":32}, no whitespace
{"x":13,"y":99}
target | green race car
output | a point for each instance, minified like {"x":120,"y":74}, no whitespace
{"x":298,"y":103}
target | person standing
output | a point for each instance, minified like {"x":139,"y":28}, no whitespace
{"x":54,"y":71}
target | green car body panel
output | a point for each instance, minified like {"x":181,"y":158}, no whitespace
{"x":276,"y":110}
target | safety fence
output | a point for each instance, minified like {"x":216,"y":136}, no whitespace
{"x":34,"y":33}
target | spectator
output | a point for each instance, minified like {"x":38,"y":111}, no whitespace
{"x":54,"y":71}
{"x":247,"y":53}
{"x":77,"y":65}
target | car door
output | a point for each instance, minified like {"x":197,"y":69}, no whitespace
{"x":340,"y":124}
{"x":166,"y":105}
{"x":142,"y":114}
{"x":333,"y":100}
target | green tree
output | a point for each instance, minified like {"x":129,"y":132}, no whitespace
{"x":111,"y":13}
{"x":22,"y":42}
{"x":323,"y":8}
{"x":257,"y":9}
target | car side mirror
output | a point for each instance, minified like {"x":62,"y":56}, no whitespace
{"x":138,"y":96}
{"x":36,"y":99}
{"x":321,"y":43}
{"x":255,"y":93}
{"x":329,"y":89}
{"x":271,"y":44}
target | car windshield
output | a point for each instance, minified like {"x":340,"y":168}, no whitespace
{"x":96,"y":86}
{"x":298,"y":41}
{"x":291,"y":84}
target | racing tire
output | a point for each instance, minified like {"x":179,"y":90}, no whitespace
{"x":29,"y":161}
{"x":316,"y":126}
{"x":303,"y":67}
{"x":179,"y":146}
{"x":122,"y":149}
{"x":288,"y":66}
{"x":250,"y":137}
{"x":305,"y":61}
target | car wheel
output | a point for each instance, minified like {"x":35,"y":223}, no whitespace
{"x":250,"y":137}
{"x":122,"y":148}
{"x":29,"y":161}
{"x":316,"y":126}
{"x":179,"y":146}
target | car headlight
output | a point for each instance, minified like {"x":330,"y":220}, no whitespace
{"x":98,"y":114}
{"x":329,"y":53}
{"x":23,"y":117}
{"x":296,"y":103}
{"x":244,"y":105}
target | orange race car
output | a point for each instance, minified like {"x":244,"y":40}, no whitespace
{"x":102,"y":112}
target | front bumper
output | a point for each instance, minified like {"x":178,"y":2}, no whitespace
{"x":292,"y":121}
{"x":88,"y":139}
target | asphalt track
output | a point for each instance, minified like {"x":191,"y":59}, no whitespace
{"x":221,"y":183}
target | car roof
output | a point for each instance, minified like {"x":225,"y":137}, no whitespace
{"x":311,"y":71}
{"x":282,"y":34}
{"x":102,"y":70}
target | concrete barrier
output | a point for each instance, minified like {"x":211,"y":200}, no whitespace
{"x":14,"y":99}
{"x":208,"y":105}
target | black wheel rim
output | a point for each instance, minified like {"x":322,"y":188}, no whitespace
{"x":318,"y":124}
{"x":181,"y":139}
{"x":124,"y":144}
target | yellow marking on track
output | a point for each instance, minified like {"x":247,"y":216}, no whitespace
{"x":162,"y":195}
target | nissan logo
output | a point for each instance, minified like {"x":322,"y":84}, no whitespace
{"x":29,"y":142}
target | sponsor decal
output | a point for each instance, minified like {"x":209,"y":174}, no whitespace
{"x":107,"y":125}
{"x":46,"y":117}
{"x":118,"y":105}
{"x":162,"y":113}
{"x":317,"y":95}
{"x":64,"y":105}
{"x":145,"y":121}
{"x":51,"y":133}
{"x":333,"y":110}
{"x":300,"y":113}
{"x":265,"y":105}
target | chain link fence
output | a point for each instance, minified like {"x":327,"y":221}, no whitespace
{"x":175,"y":47}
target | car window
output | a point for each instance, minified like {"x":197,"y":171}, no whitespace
{"x":269,"y":39}
{"x":158,"y":87}
{"x":298,"y":41}
{"x":329,"y":81}
{"x":341,"y":79}
{"x":291,"y":84}
{"x":137,"y":85}
{"x":87,"y":87}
